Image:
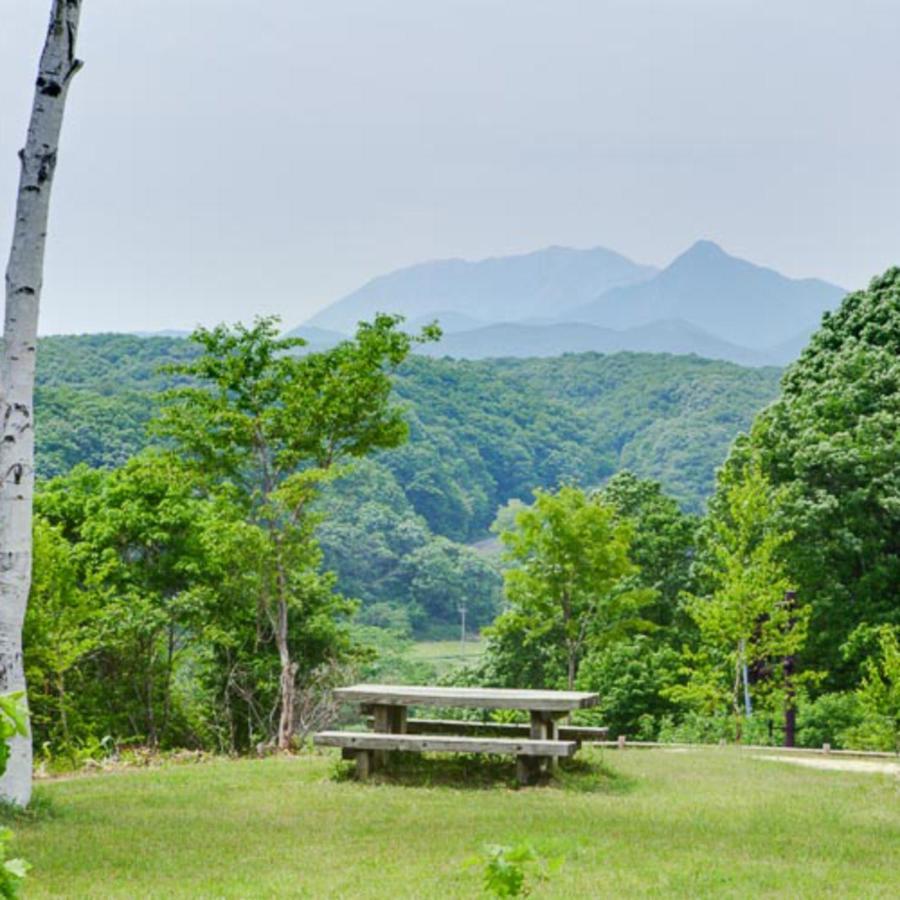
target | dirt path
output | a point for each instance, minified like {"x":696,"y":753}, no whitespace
{"x":838,"y":765}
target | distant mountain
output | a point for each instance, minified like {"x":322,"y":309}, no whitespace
{"x":560,"y":300}
{"x":725,"y":296}
{"x":517,"y":339}
{"x":500,"y":289}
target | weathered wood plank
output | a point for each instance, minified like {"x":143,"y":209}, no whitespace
{"x":442,"y":744}
{"x":484,"y":698}
{"x":501,"y":729}
{"x":581,"y":733}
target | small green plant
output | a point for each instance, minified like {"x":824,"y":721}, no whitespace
{"x":12,"y":871}
{"x":508,"y":870}
{"x":13,"y":721}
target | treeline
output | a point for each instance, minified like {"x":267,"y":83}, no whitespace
{"x":774,"y":617}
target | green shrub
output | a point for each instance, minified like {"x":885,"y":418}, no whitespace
{"x":696,"y":728}
{"x":628,"y":676}
{"x":878,"y":694}
{"x":826,"y":719}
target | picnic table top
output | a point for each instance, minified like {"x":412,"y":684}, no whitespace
{"x":483,"y":698}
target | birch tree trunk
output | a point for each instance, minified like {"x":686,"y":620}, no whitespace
{"x":24,"y":276}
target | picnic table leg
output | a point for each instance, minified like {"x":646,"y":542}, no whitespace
{"x":364,"y":764}
{"x":552,"y":735}
{"x":387,"y":720}
{"x":544,"y":728}
{"x":526,"y":768}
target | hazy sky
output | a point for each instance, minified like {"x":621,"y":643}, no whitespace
{"x":223,"y":158}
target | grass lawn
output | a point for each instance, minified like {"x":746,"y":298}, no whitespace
{"x":639,"y":823}
{"x":447,"y":655}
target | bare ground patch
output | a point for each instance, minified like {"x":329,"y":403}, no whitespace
{"x":838,"y":765}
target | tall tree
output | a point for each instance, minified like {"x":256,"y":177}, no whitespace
{"x":744,"y":624}
{"x":264,"y":425}
{"x":566,"y":587}
{"x":832,"y":441}
{"x":663,"y":545}
{"x":24,"y":277}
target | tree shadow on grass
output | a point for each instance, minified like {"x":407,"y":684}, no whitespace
{"x":41,"y":808}
{"x":478,"y":772}
{"x":590,"y":775}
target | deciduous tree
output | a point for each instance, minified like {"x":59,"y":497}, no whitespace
{"x":743,"y":623}
{"x":565,"y":591}
{"x":24,"y":279}
{"x":832,"y":441}
{"x":265,"y":425}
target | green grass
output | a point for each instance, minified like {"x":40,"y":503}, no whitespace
{"x":705,"y":823}
{"x":447,"y":655}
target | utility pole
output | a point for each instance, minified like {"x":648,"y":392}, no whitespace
{"x":462,"y":615}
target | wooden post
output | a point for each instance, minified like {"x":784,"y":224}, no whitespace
{"x":382,"y":722}
{"x":364,"y":764}
{"x":621,"y":742}
{"x":552,"y":731}
{"x":387,"y":720}
{"x":398,"y":720}
{"x":543,"y":728}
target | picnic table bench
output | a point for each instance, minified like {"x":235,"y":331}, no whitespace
{"x":535,"y":745}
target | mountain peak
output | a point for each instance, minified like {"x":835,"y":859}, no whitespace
{"x":705,"y":249}
{"x":728,"y":297}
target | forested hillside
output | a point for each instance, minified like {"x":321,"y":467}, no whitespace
{"x":95,"y":396}
{"x":481,"y":433}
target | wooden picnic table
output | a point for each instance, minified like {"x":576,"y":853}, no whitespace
{"x":388,"y":704}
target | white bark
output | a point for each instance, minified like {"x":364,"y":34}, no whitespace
{"x":24,"y":276}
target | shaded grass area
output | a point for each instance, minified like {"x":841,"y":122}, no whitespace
{"x":480,"y":772}
{"x":643,"y":823}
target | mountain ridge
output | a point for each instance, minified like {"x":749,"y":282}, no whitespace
{"x":498,"y":288}
{"x":763,"y":308}
{"x":523,"y":340}
{"x":705,"y":302}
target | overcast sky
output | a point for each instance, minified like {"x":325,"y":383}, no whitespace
{"x":223,"y":158}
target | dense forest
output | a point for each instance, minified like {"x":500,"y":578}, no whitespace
{"x":212,"y":581}
{"x":776,"y":615}
{"x":481,"y":434}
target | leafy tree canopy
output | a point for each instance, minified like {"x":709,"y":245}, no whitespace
{"x":832,"y":441}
